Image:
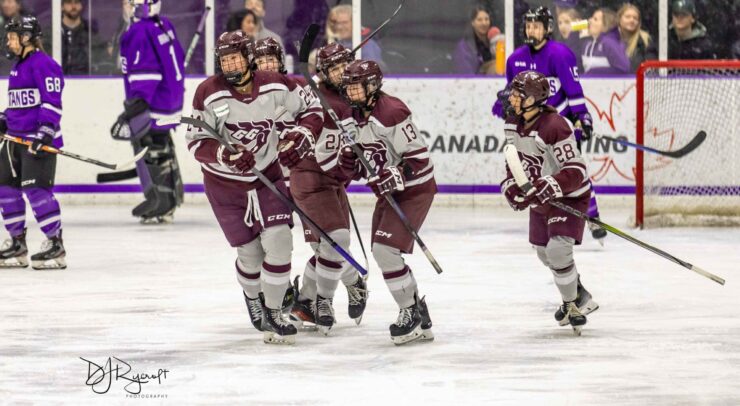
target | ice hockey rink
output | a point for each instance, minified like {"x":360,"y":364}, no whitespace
{"x":166,"y":298}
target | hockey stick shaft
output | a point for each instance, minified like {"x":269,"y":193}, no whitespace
{"x":72,"y":155}
{"x":359,"y":236}
{"x":284,"y":199}
{"x":685,"y":150}
{"x":306,"y":45}
{"x":196,"y":36}
{"x":515,"y":166}
{"x":377,"y":30}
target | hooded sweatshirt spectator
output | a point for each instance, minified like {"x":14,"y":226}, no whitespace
{"x":600,"y":53}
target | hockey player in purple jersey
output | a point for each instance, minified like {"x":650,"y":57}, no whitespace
{"x":558,"y":63}
{"x":33,"y":114}
{"x":547,"y":147}
{"x":152,"y":61}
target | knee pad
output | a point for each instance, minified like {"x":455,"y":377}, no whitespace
{"x":341,"y":237}
{"x":542,"y":255}
{"x":388,"y":258}
{"x":277,"y":242}
{"x":559,"y":252}
{"x":251,"y":256}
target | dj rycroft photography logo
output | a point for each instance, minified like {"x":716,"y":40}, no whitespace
{"x":100,"y":377}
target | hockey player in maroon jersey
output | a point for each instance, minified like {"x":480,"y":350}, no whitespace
{"x":244,"y":106}
{"x":316,"y":190}
{"x":383,"y":128}
{"x":547,"y":147}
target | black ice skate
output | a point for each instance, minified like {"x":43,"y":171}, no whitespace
{"x":574,"y":316}
{"x":302,"y":314}
{"x":586,"y":305}
{"x":276,"y":330}
{"x":357,"y":294}
{"x":51,"y":256}
{"x":14,"y":253}
{"x":407,"y":327}
{"x":598,"y":233}
{"x":426,"y":321}
{"x":324,"y":314}
{"x":254,"y":306}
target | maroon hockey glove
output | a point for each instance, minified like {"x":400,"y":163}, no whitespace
{"x":389,"y":180}
{"x":514,"y":195}
{"x":296,"y":143}
{"x":348,"y":162}
{"x":546,"y":189}
{"x":240,"y":162}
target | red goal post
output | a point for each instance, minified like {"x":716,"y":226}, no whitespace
{"x":675,"y":100}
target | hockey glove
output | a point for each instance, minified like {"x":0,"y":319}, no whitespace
{"x":3,"y":123}
{"x":503,"y":108}
{"x":295,"y":144}
{"x":514,"y":195}
{"x":546,"y":189}
{"x":134,"y":122}
{"x":239,"y":162}
{"x":389,"y":180}
{"x":584,"y":127}
{"x":43,"y":137}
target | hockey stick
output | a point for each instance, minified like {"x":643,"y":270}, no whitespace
{"x":130,"y":174}
{"x":515,"y":165}
{"x":196,"y":36}
{"x":359,"y":237}
{"x":286,"y":201}
{"x":53,"y":150}
{"x":692,"y":145}
{"x":372,"y":34}
{"x":306,"y":44}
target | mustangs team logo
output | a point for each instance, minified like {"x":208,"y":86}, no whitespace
{"x":375,"y":153}
{"x":252,"y":134}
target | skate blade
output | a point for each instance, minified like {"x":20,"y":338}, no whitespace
{"x":358,"y":321}
{"x":577,"y":330}
{"x":405,"y":339}
{"x":49,"y":265}
{"x":324,"y":330}
{"x":300,"y":324}
{"x":273,"y":338}
{"x":587,"y":309}
{"x":427,"y":335}
{"x":155,"y":221}
{"x":17,"y":262}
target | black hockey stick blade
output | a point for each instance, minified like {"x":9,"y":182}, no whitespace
{"x":679,"y":153}
{"x":307,"y":43}
{"x":377,"y":30}
{"x":116,"y":176}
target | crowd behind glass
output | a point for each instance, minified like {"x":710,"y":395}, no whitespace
{"x":429,"y":36}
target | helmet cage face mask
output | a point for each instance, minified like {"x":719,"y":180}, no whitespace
{"x":367,"y":74}
{"x":270,"y":47}
{"x":329,"y":56}
{"x":235,"y":42}
{"x":143,"y":9}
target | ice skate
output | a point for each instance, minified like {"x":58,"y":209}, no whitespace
{"x":254,"y":306}
{"x":586,"y":305}
{"x":301,"y":313}
{"x":357,"y":294}
{"x":574,"y":316}
{"x":426,"y":321}
{"x":14,"y":252}
{"x":52,"y":255}
{"x":407,"y":327}
{"x":324,"y":314}
{"x":276,"y":330}
{"x":598,"y":233}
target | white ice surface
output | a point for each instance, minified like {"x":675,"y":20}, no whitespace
{"x":167,"y":297}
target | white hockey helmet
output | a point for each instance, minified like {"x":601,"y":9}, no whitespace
{"x":144,"y":9}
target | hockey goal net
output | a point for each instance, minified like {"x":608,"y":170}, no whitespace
{"x":676,"y":100}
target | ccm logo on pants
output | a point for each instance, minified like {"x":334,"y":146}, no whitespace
{"x":278,"y":217}
{"x":557,"y":220}
{"x":381,"y":233}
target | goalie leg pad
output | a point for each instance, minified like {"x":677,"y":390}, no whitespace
{"x":159,"y":174}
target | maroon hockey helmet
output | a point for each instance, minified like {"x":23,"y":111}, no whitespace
{"x":531,"y":84}
{"x":270,"y":47}
{"x":330,"y":55}
{"x":231,"y":43}
{"x":368,"y":74}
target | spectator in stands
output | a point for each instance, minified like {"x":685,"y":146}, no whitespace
{"x":245,"y":20}
{"x":638,"y":44}
{"x":8,"y":10}
{"x":600,"y":53}
{"x":258,"y":7}
{"x":339,"y":29}
{"x":566,"y":17}
{"x":473,"y":52}
{"x":78,"y":41}
{"x":687,"y":38}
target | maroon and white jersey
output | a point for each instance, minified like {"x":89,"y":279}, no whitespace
{"x":548,"y":147}
{"x":389,"y":137}
{"x":254,"y":120}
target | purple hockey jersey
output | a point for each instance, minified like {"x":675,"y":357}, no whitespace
{"x":558,"y":63}
{"x":35,"y":97}
{"x":152,"y":62}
